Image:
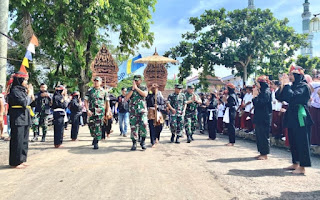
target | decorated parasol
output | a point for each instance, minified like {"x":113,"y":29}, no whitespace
{"x":155,"y":71}
{"x":155,"y":59}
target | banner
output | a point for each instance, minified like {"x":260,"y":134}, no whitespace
{"x":129,"y":67}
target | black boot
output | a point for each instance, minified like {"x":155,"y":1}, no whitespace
{"x":134,"y":145}
{"x":191,"y":136}
{"x":188,"y":138}
{"x":43,"y":137}
{"x":142,"y":143}
{"x":177,"y":140}
{"x":95,"y":144}
{"x":172,"y":138}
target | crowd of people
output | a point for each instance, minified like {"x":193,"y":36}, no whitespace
{"x":287,"y":108}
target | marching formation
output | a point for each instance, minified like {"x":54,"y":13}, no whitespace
{"x":262,"y":108}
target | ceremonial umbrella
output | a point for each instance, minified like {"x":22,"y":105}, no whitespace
{"x":155,"y":59}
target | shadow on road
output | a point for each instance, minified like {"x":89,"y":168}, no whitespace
{"x":260,"y":172}
{"x":209,"y":146}
{"x":5,"y":167}
{"x":230,"y":160}
{"x":102,"y":150}
{"x":296,"y":195}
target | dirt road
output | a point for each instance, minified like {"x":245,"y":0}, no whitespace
{"x":201,"y":170}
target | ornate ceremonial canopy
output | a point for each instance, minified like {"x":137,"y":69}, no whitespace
{"x":105,"y":67}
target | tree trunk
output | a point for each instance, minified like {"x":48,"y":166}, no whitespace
{"x":245,"y":75}
{"x":57,"y":69}
{"x":84,"y":72}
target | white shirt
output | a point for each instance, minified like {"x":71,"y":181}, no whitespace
{"x":220,"y":110}
{"x":276,"y":105}
{"x":247,"y":98}
{"x":315,"y":99}
{"x":239,"y":103}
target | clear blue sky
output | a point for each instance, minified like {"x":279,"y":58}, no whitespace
{"x":171,"y":20}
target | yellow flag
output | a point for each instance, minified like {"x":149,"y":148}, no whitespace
{"x":25,"y":62}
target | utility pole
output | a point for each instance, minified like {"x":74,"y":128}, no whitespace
{"x":4,"y":13}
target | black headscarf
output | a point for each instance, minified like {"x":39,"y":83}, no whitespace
{"x":264,"y":86}
{"x":17,"y":83}
{"x":230,"y":91}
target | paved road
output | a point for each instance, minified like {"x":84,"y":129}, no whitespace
{"x":200,"y":170}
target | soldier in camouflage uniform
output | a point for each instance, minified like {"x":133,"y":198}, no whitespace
{"x":138,"y":112}
{"x":191,"y":119}
{"x":177,"y":106}
{"x":97,"y":105}
{"x":42,"y":111}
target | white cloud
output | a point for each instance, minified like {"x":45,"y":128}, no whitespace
{"x":207,"y":4}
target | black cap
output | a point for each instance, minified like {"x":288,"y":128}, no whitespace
{"x":179,"y":86}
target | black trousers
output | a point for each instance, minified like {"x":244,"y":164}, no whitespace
{"x":212,"y":128}
{"x":299,"y":139}
{"x":75,"y":119}
{"x":106,"y":128}
{"x":155,"y":131}
{"x":232,"y":131}
{"x":58,"y":127}
{"x":262,"y":137}
{"x":18,"y":144}
{"x":85,"y":118}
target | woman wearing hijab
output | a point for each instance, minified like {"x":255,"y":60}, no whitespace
{"x":297,"y":117}
{"x":262,"y":101}
{"x":19,"y":100}
{"x":212,"y":116}
{"x":76,"y":111}
{"x":231,"y":103}
{"x":59,"y":106}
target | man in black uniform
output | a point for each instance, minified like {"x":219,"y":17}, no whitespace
{"x":42,"y":111}
{"x":262,"y":116}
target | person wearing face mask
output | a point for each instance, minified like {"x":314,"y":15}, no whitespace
{"x":297,"y":117}
{"x":76,"y":111}
{"x":59,"y":105}
{"x":42,"y":111}
{"x":262,"y":102}
{"x":19,"y":99}
{"x":231,"y":103}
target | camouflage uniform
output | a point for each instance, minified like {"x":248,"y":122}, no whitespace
{"x":41,"y":118}
{"x":191,"y":118}
{"x":177,"y":101}
{"x":138,"y":114}
{"x":96,"y":99}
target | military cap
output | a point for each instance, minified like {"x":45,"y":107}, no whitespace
{"x":137,"y":77}
{"x":179,"y":86}
{"x":190,"y":86}
{"x":97,"y":78}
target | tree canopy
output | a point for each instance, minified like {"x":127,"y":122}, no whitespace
{"x":71,"y":32}
{"x":239,"y":39}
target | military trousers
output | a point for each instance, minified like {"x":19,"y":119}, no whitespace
{"x":95,"y":126}
{"x":176,"y":124}
{"x":138,"y":125}
{"x":191,"y":120}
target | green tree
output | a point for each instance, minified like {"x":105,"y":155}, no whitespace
{"x":307,"y":63}
{"x":238,"y":39}
{"x":71,"y":32}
